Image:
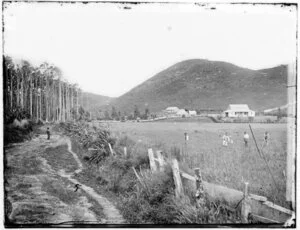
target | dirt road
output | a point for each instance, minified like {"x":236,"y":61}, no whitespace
{"x":40,"y":188}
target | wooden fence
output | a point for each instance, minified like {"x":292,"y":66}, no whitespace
{"x":258,"y":207}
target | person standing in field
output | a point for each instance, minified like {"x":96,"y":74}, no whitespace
{"x":266,"y":138}
{"x":226,"y":139}
{"x":246,"y":139}
{"x":48,"y":133}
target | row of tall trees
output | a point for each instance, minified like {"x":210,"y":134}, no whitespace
{"x":41,"y":92}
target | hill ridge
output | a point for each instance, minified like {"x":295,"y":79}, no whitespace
{"x":201,"y":83}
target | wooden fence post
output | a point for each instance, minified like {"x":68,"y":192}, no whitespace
{"x":110,"y":148}
{"x":181,"y":154}
{"x":137,"y":176}
{"x":177,"y":179}
{"x":199,"y":188}
{"x":125,"y":151}
{"x":160,"y":160}
{"x":245,"y":205}
{"x":152,"y":161}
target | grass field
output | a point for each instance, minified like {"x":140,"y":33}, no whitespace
{"x":228,"y":166}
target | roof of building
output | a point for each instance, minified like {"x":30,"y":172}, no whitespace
{"x":172,"y":108}
{"x":238,"y":107}
{"x":182,"y":111}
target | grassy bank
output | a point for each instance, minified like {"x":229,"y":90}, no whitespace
{"x":149,"y":201}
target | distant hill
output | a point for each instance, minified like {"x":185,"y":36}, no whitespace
{"x":202,"y":84}
{"x":91,"y":101}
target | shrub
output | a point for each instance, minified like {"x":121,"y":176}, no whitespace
{"x":86,"y":158}
{"x":16,"y":113}
{"x":16,"y":134}
{"x":89,"y":136}
{"x":101,"y":180}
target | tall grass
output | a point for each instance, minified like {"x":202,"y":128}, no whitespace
{"x":229,"y":166}
{"x":233,"y":165}
{"x":151,"y":200}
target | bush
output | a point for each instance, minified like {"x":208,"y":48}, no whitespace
{"x":91,"y":137}
{"x":16,"y":113}
{"x":17,"y":134}
{"x":86,"y":158}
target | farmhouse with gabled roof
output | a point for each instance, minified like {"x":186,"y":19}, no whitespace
{"x":172,"y":109}
{"x":238,"y":110}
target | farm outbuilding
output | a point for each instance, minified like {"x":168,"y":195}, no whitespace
{"x":170,"y":112}
{"x":183,"y":113}
{"x":238,"y":110}
{"x":172,"y":109}
{"x":192,"y":112}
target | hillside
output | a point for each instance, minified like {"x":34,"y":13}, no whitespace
{"x":91,"y":100}
{"x":201,"y":84}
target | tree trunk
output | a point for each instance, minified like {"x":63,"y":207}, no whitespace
{"x":30,"y":95}
{"x":5,"y":87}
{"x":72,"y":102}
{"x":25,"y":96}
{"x":77,"y":106}
{"x":52,"y":99}
{"x":46,"y":98}
{"x":59,"y":98}
{"x":21,"y":89}
{"x":11,"y":90}
{"x":18,"y":92}
{"x":37,"y":99}
{"x":56,"y":101}
{"x":54,"y":95}
{"x":67,"y":101}
{"x":63,"y":104}
{"x":41,"y":95}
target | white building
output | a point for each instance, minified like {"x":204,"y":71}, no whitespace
{"x":169,"y":112}
{"x":183,"y":113}
{"x":238,"y":110}
{"x":172,"y":109}
{"x":192,"y":112}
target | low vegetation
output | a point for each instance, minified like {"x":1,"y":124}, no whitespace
{"x":229,"y":166}
{"x":60,"y":158}
{"x":17,"y":126}
{"x":151,"y":199}
{"x":16,"y":134}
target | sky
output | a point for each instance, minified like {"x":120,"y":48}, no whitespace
{"x":109,"y":50}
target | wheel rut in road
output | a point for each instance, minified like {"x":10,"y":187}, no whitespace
{"x":111,"y":212}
